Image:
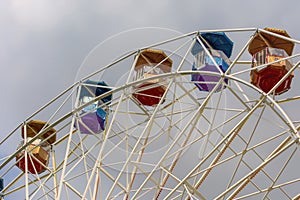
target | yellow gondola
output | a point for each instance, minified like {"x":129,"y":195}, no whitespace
{"x":38,"y":150}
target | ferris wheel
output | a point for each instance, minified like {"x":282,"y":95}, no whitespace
{"x":211,"y":114}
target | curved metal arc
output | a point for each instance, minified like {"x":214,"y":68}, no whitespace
{"x":118,"y":89}
{"x":182,"y":74}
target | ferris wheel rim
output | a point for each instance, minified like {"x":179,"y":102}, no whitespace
{"x":264,"y":98}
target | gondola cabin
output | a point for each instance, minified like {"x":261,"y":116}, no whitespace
{"x":92,"y":117}
{"x":203,"y":62}
{"x":38,"y":151}
{"x":37,"y":159}
{"x":269,"y":75}
{"x":268,"y":48}
{"x":211,"y":52}
{"x":150,"y":63}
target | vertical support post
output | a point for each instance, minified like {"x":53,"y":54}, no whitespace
{"x":26,"y":163}
{"x":54,"y":172}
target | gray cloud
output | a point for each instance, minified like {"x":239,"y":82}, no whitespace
{"x":43,"y":43}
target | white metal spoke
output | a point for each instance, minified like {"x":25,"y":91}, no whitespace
{"x":220,"y":136}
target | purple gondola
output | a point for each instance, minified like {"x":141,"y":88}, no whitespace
{"x":92,"y":118}
{"x":219,"y":48}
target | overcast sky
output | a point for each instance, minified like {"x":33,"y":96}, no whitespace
{"x":43,"y":42}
